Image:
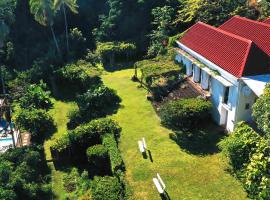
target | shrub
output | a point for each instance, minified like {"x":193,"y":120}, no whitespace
{"x":97,"y":155}
{"x":77,"y":43}
{"x":98,"y":102}
{"x":240,"y":145}
{"x":78,"y":76}
{"x":38,"y":122}
{"x":117,"y":163}
{"x":106,"y":188}
{"x":75,"y":118}
{"x":185,"y":113}
{"x":108,"y":52}
{"x":36,"y":97}
{"x":76,"y":184}
{"x":260,"y":111}
{"x":24,"y":174}
{"x":257,"y":175}
{"x":78,"y":140}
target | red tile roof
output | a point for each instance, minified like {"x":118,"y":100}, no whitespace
{"x":256,"y":31}
{"x":267,"y":21}
{"x":235,"y":54}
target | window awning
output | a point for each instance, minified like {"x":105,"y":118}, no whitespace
{"x":257,"y":83}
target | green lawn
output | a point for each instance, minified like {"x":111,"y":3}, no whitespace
{"x":59,"y":114}
{"x":186,"y":176}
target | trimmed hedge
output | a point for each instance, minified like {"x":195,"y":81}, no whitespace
{"x":106,"y":188}
{"x":185,"y":113}
{"x":75,"y":143}
{"x":97,"y":155}
{"x":117,"y":163}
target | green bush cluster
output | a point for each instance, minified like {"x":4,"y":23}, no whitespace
{"x":260,"y":111}
{"x":117,"y":163}
{"x":240,"y":145}
{"x":160,"y":75}
{"x":76,"y":184}
{"x":36,"y":97}
{"x":257,"y":173}
{"x":24,"y":174}
{"x":75,"y":143}
{"x":79,"y":76}
{"x":97,"y":102}
{"x":185,"y":113}
{"x":109,"y":52}
{"x":97,"y":155}
{"x":106,"y":188}
{"x":249,"y":154}
{"x":37,"y":121}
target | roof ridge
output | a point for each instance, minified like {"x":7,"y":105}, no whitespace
{"x":226,"y":33}
{"x":246,"y":19}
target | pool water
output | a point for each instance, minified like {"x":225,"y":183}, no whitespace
{"x":5,"y":139}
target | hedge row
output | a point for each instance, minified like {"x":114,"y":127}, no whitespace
{"x":185,"y":113}
{"x":74,"y":144}
{"x":117,"y":163}
{"x":249,"y":155}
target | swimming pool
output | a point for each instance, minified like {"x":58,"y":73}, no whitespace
{"x":5,"y":139}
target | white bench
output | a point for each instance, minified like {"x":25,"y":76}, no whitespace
{"x":142,"y":145}
{"x":159,"y":184}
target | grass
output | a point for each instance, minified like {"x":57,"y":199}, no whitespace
{"x":59,"y":114}
{"x":186,"y":175}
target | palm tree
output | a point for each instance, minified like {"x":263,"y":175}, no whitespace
{"x":43,"y":14}
{"x":62,"y":4}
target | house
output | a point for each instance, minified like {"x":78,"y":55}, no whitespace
{"x":232,"y":62}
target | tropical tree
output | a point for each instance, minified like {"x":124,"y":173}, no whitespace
{"x":265,"y":8}
{"x":43,"y":13}
{"x":62,"y":4}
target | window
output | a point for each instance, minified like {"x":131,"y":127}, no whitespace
{"x":226,"y":95}
{"x":247,"y":106}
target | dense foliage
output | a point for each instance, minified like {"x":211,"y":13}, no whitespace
{"x":160,"y":75}
{"x":159,"y":36}
{"x":75,"y":142}
{"x":261,"y":111}
{"x":76,"y":184}
{"x":24,"y":174}
{"x":257,"y":175}
{"x":36,"y":97}
{"x":185,"y":113}
{"x":109,"y":52}
{"x":249,"y":154}
{"x":98,"y":101}
{"x":240,"y":145}
{"x":79,"y":76}
{"x":38,"y":122}
{"x":106,"y":188}
{"x":117,"y":163}
{"x":98,"y":156}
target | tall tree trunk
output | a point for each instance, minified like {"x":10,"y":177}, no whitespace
{"x":55,"y":41}
{"x":66,"y":26}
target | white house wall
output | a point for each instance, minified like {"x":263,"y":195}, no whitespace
{"x":244,"y":114}
{"x":217,"y":89}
